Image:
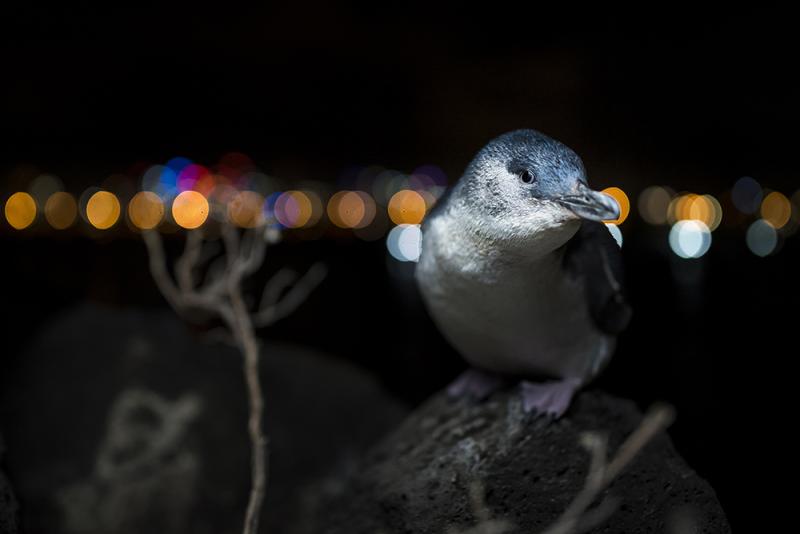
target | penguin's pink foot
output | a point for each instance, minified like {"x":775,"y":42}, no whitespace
{"x":549,"y":398}
{"x":475,"y":384}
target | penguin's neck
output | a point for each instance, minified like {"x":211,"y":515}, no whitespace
{"x":481,"y":248}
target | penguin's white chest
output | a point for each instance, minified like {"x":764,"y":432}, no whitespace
{"x":509,"y":314}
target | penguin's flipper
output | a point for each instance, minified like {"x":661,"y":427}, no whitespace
{"x":593,"y":256}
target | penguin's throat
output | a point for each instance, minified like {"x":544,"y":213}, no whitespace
{"x":524,"y":237}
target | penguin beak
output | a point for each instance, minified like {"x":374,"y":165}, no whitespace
{"x":589,"y":204}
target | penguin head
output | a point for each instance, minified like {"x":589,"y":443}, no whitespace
{"x":527,"y":186}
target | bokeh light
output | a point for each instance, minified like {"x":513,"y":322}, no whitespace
{"x":20,"y":210}
{"x":622,"y":200}
{"x":160,"y":179}
{"x":245,"y":209}
{"x":61,"y":210}
{"x":654,"y":204}
{"x":746,"y":195}
{"x":146,"y":210}
{"x":178,"y":164}
{"x":677,"y":210}
{"x":762,"y":238}
{"x":406,"y":207}
{"x":351,"y":209}
{"x":102,"y":210}
{"x":713,"y":209}
{"x":195,"y":177}
{"x":346,"y":209}
{"x":690,"y":206}
{"x":689,"y":238}
{"x":405,"y":242}
{"x":430,"y":199}
{"x":776,"y":209}
{"x":190,"y":209}
{"x":294,"y":209}
{"x":317,"y":209}
{"x":615,"y":232}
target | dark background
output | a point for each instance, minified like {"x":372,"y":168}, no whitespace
{"x":690,"y":100}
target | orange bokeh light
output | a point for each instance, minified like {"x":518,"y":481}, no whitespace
{"x":190,"y":210}
{"x":60,"y":210}
{"x":245,"y":209}
{"x":146,"y":210}
{"x":693,"y":207}
{"x":294,"y":209}
{"x":351,"y":209}
{"x":20,"y":210}
{"x":407,"y":207}
{"x":776,"y":209}
{"x":624,"y":204}
{"x":102,"y":210}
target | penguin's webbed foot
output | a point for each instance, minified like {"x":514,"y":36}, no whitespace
{"x":549,"y":398}
{"x":475,"y":384}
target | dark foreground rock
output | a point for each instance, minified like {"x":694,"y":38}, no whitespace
{"x":124,"y":421}
{"x":418,"y":479}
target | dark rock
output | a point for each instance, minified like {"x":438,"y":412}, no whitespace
{"x":418,"y":480}
{"x":8,"y":504}
{"x":125,"y":421}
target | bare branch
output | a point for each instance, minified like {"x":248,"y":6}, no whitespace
{"x":577,"y":517}
{"x":658,"y":418}
{"x":184,"y":267}
{"x":215,"y":282}
{"x":251,"y":255}
{"x":484,"y":522}
{"x":182,"y":301}
{"x":275,"y":287}
{"x":597,"y":445}
{"x":597,"y":515}
{"x":221,"y":294}
{"x":294,"y":298}
{"x":230,"y":236}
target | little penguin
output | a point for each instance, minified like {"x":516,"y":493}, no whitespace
{"x":520,"y":274}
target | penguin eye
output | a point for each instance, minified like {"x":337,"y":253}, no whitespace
{"x":526,"y":177}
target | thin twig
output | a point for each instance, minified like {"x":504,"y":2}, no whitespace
{"x":484,"y":524}
{"x":276,"y":286}
{"x":184,"y":267}
{"x":577,"y":517}
{"x":298,"y":293}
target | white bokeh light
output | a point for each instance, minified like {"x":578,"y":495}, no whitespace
{"x":404,"y":242}
{"x":689,"y":238}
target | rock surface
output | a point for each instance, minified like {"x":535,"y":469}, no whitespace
{"x":126,"y":421}
{"x":418,"y":479}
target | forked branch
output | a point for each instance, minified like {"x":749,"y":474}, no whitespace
{"x":220,"y":294}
